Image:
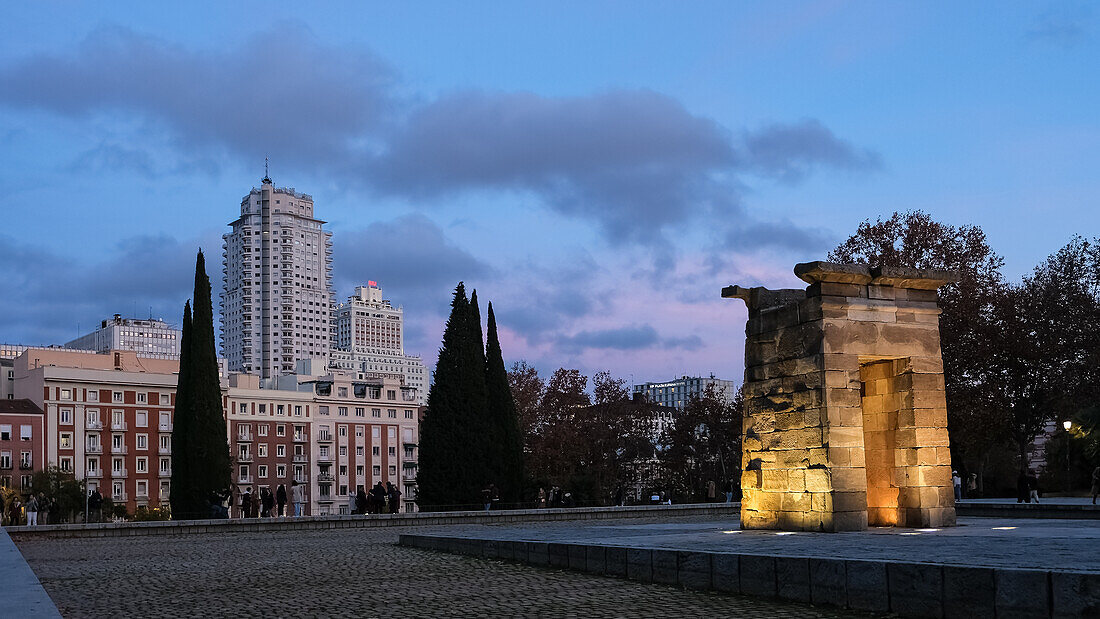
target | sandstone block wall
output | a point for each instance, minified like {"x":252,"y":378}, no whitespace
{"x":846,"y":419}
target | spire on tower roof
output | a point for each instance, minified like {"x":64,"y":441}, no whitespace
{"x":266,"y":179}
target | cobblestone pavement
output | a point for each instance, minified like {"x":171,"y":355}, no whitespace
{"x":997,"y":542}
{"x":353,"y":573}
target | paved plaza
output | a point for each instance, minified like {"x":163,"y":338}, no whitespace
{"x":1020,"y":542}
{"x":350,"y":572}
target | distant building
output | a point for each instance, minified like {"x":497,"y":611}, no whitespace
{"x":277,"y":300}
{"x":147,"y":337}
{"x":370,"y":338}
{"x":676,"y":393}
{"x":22,"y":443}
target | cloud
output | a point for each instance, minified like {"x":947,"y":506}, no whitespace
{"x":1064,"y":24}
{"x":790,"y":152}
{"x":279,"y":92}
{"x":636,"y":164}
{"x":630,"y":338}
{"x":47,"y":296}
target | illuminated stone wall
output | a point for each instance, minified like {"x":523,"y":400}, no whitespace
{"x":845,"y":416}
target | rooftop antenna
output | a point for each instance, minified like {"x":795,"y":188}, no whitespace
{"x":267,"y":179}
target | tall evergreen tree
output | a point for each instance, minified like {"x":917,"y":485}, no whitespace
{"x":181,"y":478}
{"x":506,"y":441}
{"x":205,"y":458}
{"x":481,"y":468}
{"x":441,"y":471}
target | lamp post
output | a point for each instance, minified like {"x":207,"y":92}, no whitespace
{"x":1067,"y":424}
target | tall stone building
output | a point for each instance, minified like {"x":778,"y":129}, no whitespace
{"x":370,"y":338}
{"x":277,"y":300}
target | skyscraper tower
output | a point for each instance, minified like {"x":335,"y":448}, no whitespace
{"x":277,"y":301}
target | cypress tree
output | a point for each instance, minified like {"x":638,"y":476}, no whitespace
{"x":479,"y":430}
{"x":180,"y":473}
{"x":441,"y":475}
{"x":205,"y":451}
{"x":506,"y":448}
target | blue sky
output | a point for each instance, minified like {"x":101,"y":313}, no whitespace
{"x":597,"y":170}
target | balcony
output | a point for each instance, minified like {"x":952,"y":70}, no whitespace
{"x":244,"y":480}
{"x":324,"y":437}
{"x":93,"y":473}
{"x":118,"y":449}
{"x":165,"y":451}
{"x":301,"y":438}
{"x":25,"y":465}
{"x":244,"y":437}
{"x":94,"y":449}
{"x":142,"y":496}
{"x":408,"y":444}
{"x":302,"y":479}
{"x":300,"y":458}
{"x":244,"y":457}
{"x":166,"y":472}
{"x":120,"y":473}
{"x":327,"y":458}
{"x":120,"y":497}
{"x":325,"y":498}
{"x":325,"y":478}
{"x":94,"y":425}
{"x":119,"y":426}
{"x":166,"y":427}
{"x":408,"y":475}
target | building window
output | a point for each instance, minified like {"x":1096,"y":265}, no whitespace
{"x":393,"y":470}
{"x":66,"y":394}
{"x":5,"y":460}
{"x":261,"y":471}
{"x":66,"y":440}
{"x":375,"y":412}
{"x":93,"y":465}
{"x":280,"y":451}
{"x":261,"y":450}
{"x":143,"y":489}
{"x":93,"y":396}
{"x":360,"y":412}
{"x":280,"y":430}
{"x":66,"y":464}
{"x":116,"y":396}
{"x":141,"y":418}
{"x":242,"y":472}
{"x":141,"y":464}
{"x":393,"y":452}
{"x":376,"y":470}
{"x":5,"y":433}
{"x":359,"y":450}
{"x":342,"y":411}
{"x":376,"y":451}
{"x":280,"y":471}
{"x":359,"y":431}
{"x":343,"y":470}
{"x":342,"y":431}
{"x":391,"y":413}
{"x":142,"y":398}
{"x":262,"y":429}
{"x":297,"y":411}
{"x":165,"y":466}
{"x":408,"y":414}
{"x":66,"y":416}
{"x":142,"y":441}
{"x":322,"y":410}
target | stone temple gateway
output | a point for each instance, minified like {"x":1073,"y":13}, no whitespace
{"x":845,"y":414}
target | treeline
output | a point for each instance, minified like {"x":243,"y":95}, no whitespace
{"x":1017,"y":354}
{"x":603,"y":446}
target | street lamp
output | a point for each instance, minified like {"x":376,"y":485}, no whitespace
{"x":1067,"y":424}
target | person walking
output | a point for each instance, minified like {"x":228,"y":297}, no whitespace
{"x":267,"y":502}
{"x":246,"y":503}
{"x":729,"y":491}
{"x":360,"y":501}
{"x":487,"y":497}
{"x":255,"y":504}
{"x":618,"y":499}
{"x":95,"y":505}
{"x":540,"y":502}
{"x":394,"y":496}
{"x":378,"y":498}
{"x":972,"y":486}
{"x":1095,"y":483}
{"x":1032,"y":486}
{"x":1022,"y":495}
{"x":957,"y":482}
{"x":298,"y":493}
{"x":15,"y":512}
{"x":280,"y":499}
{"x":32,"y":511}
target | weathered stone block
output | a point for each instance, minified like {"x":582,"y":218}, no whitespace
{"x":867,"y":585}
{"x":916,"y":589}
{"x":1075,"y":594}
{"x":595,"y":559}
{"x":665,"y":567}
{"x":726,"y":573}
{"x":639,"y":564}
{"x":792,"y":577}
{"x":615,"y":561}
{"x":968,"y":592}
{"x":828,"y":582}
{"x":757,"y":575}
{"x":1021,"y":593}
{"x":695,"y":570}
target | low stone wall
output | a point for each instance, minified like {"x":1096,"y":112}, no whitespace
{"x":1028,"y":510}
{"x":908,"y":589}
{"x":180,"y":527}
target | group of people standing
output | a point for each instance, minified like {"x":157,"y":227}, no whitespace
{"x":555,"y":498}
{"x":379,"y":500}
{"x":39,"y":509}
{"x":268,"y":504}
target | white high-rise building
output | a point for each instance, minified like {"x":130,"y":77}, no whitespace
{"x":277,"y":300}
{"x":370,"y":338}
{"x":150,"y":337}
